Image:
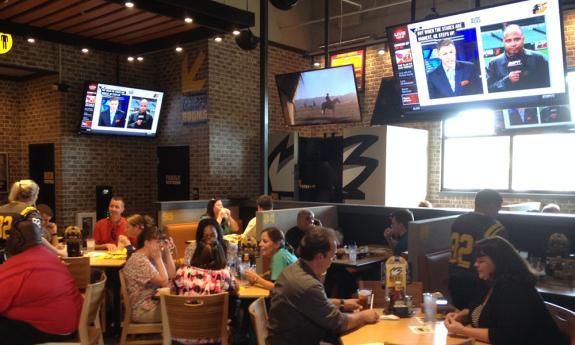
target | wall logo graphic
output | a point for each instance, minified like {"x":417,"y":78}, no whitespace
{"x":5,"y":43}
{"x":353,"y":149}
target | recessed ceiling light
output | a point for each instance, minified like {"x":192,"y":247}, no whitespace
{"x":316,"y":64}
{"x":129,"y":4}
{"x":236,"y":32}
{"x":31,"y":40}
{"x":130,"y":58}
{"x":179,"y":49}
{"x":381,"y":51}
{"x":85,"y":50}
{"x":218,"y":39}
{"x":140,"y":58}
{"x":189,"y":20}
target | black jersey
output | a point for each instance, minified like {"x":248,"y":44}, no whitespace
{"x":20,"y":228}
{"x":465,"y":231}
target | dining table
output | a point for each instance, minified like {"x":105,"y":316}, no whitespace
{"x":105,"y":259}
{"x":403,"y":331}
{"x":252,"y":291}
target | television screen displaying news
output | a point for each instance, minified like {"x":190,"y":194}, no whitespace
{"x":320,"y":96}
{"x":120,"y":110}
{"x":504,"y":56}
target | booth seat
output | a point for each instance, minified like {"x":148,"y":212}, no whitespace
{"x":180,"y":233}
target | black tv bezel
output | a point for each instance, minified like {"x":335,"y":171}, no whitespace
{"x":319,"y":124}
{"x":452,"y":109}
{"x":115,"y":133}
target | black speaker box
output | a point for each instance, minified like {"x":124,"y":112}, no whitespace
{"x":103,"y":197}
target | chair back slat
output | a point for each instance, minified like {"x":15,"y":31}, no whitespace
{"x":207,"y":320}
{"x":564,"y":319}
{"x":259,"y":316}
{"x":79,"y":268}
{"x":89,"y":325}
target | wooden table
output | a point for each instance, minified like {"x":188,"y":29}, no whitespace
{"x":252,"y":291}
{"x":557,"y":287}
{"x":398,"y":332}
{"x":377,"y":253}
{"x":97,"y":259}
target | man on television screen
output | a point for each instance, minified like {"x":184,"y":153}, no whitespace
{"x":518,"y":68}
{"x":112,"y":117}
{"x":141,"y":119}
{"x":522,"y":116}
{"x":452,"y":77}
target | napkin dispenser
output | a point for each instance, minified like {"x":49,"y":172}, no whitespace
{"x":73,"y":237}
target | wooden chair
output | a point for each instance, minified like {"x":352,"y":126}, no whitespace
{"x":79,"y":268}
{"x":89,"y":330}
{"x":131,"y":328}
{"x":413,"y":289}
{"x":564,"y":319}
{"x":259,"y":316}
{"x":190,"y":317}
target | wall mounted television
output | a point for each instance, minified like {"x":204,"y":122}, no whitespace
{"x":321,"y":96}
{"x":503,"y":56}
{"x":120,"y":110}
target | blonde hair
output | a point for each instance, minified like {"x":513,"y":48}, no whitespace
{"x":24,"y":191}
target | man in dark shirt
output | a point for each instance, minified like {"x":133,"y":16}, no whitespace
{"x":464,"y":284}
{"x":305,"y":221}
{"x":396,"y":234}
{"x":300,"y":311}
{"x":517,"y":68}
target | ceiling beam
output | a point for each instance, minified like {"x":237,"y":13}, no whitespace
{"x":170,"y":41}
{"x":60,"y":37}
{"x":211,"y":14}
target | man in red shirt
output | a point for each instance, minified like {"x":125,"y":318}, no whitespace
{"x":108,"y":230}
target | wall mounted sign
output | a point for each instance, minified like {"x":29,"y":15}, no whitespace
{"x":5,"y":43}
{"x":189,"y":76}
{"x":194,"y":108}
{"x":355,"y":58}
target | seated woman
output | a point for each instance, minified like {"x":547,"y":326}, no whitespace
{"x":222,"y":215}
{"x":273,"y":245}
{"x":208,"y":272}
{"x":512,"y":312}
{"x":149,"y":268}
{"x":135,"y":225}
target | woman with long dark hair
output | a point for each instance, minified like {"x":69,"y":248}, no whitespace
{"x":207,"y":272}
{"x":512,"y":312}
{"x":272,"y":245}
{"x":222,"y":215}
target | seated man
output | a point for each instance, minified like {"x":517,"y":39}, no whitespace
{"x":108,"y":230}
{"x":300,"y":311}
{"x":305,"y":221}
{"x":39,"y":301}
{"x":396,"y":234}
{"x":263,"y":203}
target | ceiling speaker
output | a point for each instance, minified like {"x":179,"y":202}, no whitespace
{"x":284,"y":4}
{"x":246,"y":40}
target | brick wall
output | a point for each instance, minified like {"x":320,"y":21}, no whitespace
{"x":224,"y":152}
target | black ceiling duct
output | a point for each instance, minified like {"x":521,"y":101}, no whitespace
{"x":284,"y":4}
{"x":246,"y":40}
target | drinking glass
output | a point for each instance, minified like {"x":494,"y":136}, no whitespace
{"x":429,"y":307}
{"x":90,"y":244}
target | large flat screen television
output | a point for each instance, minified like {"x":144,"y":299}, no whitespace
{"x":319,"y":96}
{"x":120,"y":110}
{"x":502,"y":56}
